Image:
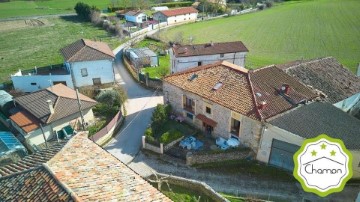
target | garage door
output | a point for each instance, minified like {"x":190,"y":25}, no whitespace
{"x":282,"y":154}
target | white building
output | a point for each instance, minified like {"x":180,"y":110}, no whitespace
{"x":183,"y":57}
{"x":137,"y":17}
{"x":179,"y":15}
{"x":86,"y":63}
{"x":52,"y":109}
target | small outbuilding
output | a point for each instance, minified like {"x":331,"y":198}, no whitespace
{"x":6,"y":102}
{"x":142,"y":57}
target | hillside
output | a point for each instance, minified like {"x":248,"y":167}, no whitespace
{"x":289,"y":31}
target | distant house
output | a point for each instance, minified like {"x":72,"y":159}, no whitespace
{"x":52,"y":109}
{"x":183,"y":57}
{"x":77,"y":170}
{"x":84,"y":61}
{"x":142,"y":57}
{"x":328,"y":77}
{"x":179,"y":15}
{"x":136,"y":17}
{"x":160,"y":8}
{"x":226,"y":100}
{"x":90,"y":62}
{"x":285,"y":133}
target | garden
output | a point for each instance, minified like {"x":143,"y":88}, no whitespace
{"x":163,"y":129}
{"x":110,"y":101}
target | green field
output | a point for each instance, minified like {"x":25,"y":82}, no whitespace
{"x":29,"y":8}
{"x":289,"y":31}
{"x":23,"y":46}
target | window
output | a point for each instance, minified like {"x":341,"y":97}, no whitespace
{"x":199,"y":63}
{"x":190,"y":116}
{"x":84,"y":72}
{"x":222,"y":55}
{"x":235,"y":126}
{"x":96,"y":81}
{"x":189,"y":104}
{"x":208,"y":110}
{"x":33,"y":84}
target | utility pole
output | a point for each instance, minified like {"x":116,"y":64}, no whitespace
{"x":81,"y":114}
{"x":42,"y":130}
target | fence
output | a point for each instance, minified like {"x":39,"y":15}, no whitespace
{"x":104,"y":134}
{"x":162,"y":148}
{"x":201,"y":158}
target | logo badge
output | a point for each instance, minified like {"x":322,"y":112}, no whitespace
{"x":323,"y":165}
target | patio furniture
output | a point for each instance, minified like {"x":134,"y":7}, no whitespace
{"x":221,"y":143}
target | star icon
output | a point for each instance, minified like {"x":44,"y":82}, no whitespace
{"x":313,"y":153}
{"x":323,"y":146}
{"x":332,"y":153}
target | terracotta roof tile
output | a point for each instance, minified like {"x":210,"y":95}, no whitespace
{"x":86,"y":50}
{"x":326,"y":75}
{"x":209,"y":49}
{"x":243,"y":90}
{"x":97,"y":175}
{"x":36,"y":109}
{"x":26,"y":121}
{"x":235,"y":92}
{"x":32,"y":185}
{"x":179,"y":11}
{"x":266,"y":84}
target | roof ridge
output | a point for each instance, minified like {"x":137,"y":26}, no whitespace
{"x":60,"y":183}
{"x":253,"y":96}
{"x":87,"y":45}
{"x":309,"y":62}
{"x":194,"y":69}
{"x":235,"y":67}
{"x":82,"y":40}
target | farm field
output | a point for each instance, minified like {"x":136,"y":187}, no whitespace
{"x":30,"y":8}
{"x":25,"y":44}
{"x":286,"y":32}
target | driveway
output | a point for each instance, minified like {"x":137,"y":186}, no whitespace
{"x":140,"y":105}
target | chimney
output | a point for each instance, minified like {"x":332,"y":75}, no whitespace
{"x":262,"y":105}
{"x":50,"y":106}
{"x":285,"y":88}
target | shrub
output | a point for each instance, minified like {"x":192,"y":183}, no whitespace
{"x":170,"y":136}
{"x":269,"y":3}
{"x":159,"y":117}
{"x":96,"y":127}
{"x":83,"y":10}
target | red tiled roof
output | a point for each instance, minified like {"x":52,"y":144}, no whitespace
{"x":179,"y":11}
{"x":95,"y":175}
{"x":206,"y":120}
{"x":25,"y":120}
{"x":209,"y":49}
{"x":86,"y":50}
{"x":243,"y":90}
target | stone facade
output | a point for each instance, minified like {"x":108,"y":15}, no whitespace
{"x":249,"y":133}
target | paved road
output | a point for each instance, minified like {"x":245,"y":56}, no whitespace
{"x":140,"y":105}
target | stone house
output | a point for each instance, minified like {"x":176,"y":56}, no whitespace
{"x":328,"y":77}
{"x":178,"y":15}
{"x":284,"y":134}
{"x":183,"y":57}
{"x":52,"y":109}
{"x":86,"y":63}
{"x":227,"y":100}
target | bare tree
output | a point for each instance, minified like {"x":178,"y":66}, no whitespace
{"x":179,"y":37}
{"x":160,"y":181}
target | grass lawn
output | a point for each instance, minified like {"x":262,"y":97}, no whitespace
{"x":183,"y":194}
{"x":251,"y":168}
{"x":31,"y":8}
{"x":23,"y":46}
{"x":163,"y":68}
{"x":286,"y":32}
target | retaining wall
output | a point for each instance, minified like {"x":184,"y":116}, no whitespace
{"x":201,"y":158}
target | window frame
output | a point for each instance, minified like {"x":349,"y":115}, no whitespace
{"x":82,"y":70}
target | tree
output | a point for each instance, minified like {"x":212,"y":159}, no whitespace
{"x":159,"y":117}
{"x":83,"y":11}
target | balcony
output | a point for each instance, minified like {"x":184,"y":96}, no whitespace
{"x":58,"y":69}
{"x":189,"y":108}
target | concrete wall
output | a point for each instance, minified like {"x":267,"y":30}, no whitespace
{"x":190,"y":17}
{"x":272,"y":132}
{"x":102,"y":69}
{"x":249,"y":129}
{"x":197,"y":158}
{"x":24,"y":83}
{"x":183,"y":63}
